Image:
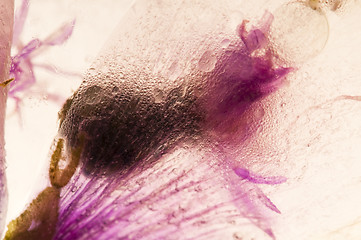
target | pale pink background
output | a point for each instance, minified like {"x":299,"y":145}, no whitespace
{"x":321,"y":201}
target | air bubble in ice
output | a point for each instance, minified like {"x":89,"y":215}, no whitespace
{"x":115,"y":90}
{"x":207,"y":62}
{"x":91,"y":95}
{"x":298,"y":32}
{"x":259,"y":113}
{"x":225,"y":43}
{"x":158,"y":95}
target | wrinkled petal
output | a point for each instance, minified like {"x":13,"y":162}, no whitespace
{"x":257,"y":37}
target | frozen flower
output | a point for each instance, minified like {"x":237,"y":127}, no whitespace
{"x":171,"y":136}
{"x":135,"y":161}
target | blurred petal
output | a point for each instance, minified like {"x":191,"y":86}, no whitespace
{"x":60,"y":35}
{"x":22,"y":67}
{"x":19,"y":21}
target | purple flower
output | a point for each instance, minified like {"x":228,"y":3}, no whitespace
{"x":129,"y":166}
{"x":22,"y":66}
{"x":137,"y":181}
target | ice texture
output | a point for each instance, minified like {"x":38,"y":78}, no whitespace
{"x":307,"y":32}
{"x":208,"y":179}
{"x":157,"y":111}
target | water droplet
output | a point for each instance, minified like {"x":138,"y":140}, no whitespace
{"x":298,"y":32}
{"x":158,"y":95}
{"x":91,"y":95}
{"x":237,"y":235}
{"x":174,"y":71}
{"x":173,"y":67}
{"x":225,"y":43}
{"x":207,"y":62}
{"x":115,"y":90}
{"x":259,"y":113}
{"x":198,"y":188}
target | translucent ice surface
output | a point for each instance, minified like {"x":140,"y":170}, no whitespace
{"x":153,"y":92}
{"x":211,"y":120}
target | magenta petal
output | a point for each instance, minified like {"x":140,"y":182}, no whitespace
{"x":24,"y":77}
{"x":256,"y":38}
{"x":19,"y":21}
{"x":60,"y":35}
{"x":158,"y":203}
{"x":267,"y":202}
{"x":22,"y":67}
{"x":245,"y":174}
{"x":27,"y":50}
{"x":242,"y":172}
